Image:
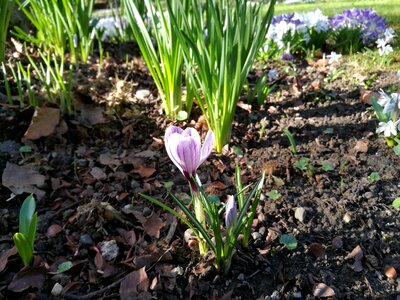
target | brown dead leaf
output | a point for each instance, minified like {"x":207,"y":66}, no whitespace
{"x":26,"y":278}
{"x":53,"y":230}
{"x":317,"y":250}
{"x":356,"y":253}
{"x":144,"y":171}
{"x":99,"y":261}
{"x":390,"y":272}
{"x":44,"y":123}
{"x":361,"y":146}
{"x":316,"y":85}
{"x":5,"y":256}
{"x":91,"y":115}
{"x":367,"y":96}
{"x":129,"y":236}
{"x":323,"y":291}
{"x":22,"y":179}
{"x":153,"y":225}
{"x":133,"y":284}
{"x":98,"y":174}
{"x":244,"y":106}
{"x":107,"y":159}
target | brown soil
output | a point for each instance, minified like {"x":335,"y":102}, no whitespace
{"x":94,"y":173}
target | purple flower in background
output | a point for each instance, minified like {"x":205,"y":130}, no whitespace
{"x":185,"y":150}
{"x":230,"y":211}
{"x":371,"y":25}
{"x":287,"y":56}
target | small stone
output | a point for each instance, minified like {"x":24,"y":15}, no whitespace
{"x":86,"y":240}
{"x":256,"y":236}
{"x":109,"y":250}
{"x":241,"y":277}
{"x":346,"y":218}
{"x":134,"y":184}
{"x":57,"y":289}
{"x":297,"y":295}
{"x":300,"y":214}
{"x":147,"y":211}
{"x":142,"y":94}
{"x":82,"y":163}
{"x":262,"y":230}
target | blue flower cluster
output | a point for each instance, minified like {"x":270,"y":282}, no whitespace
{"x":353,"y":28}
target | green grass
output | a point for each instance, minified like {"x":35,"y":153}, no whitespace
{"x":390,"y":9}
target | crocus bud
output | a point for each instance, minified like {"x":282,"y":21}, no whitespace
{"x":185,"y":150}
{"x":230,"y":211}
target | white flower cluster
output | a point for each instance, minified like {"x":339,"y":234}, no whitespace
{"x":391,"y":107}
{"x":110,"y":27}
{"x":286,"y":26}
{"x":382,"y":43}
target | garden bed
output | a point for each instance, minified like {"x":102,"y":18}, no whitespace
{"x":96,"y":163}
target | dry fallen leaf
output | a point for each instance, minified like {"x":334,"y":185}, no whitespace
{"x":53,"y":230}
{"x":22,"y":179}
{"x":144,"y":171}
{"x":98,"y":174}
{"x":323,"y":291}
{"x":91,"y":115}
{"x":44,"y":123}
{"x":129,"y":236}
{"x":153,"y":225}
{"x":26,"y":278}
{"x":361,"y":146}
{"x":134,"y":284}
{"x":5,"y":256}
{"x":367,"y":96}
{"x":356,"y":253}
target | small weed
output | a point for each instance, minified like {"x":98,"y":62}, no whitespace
{"x":289,"y":241}
{"x":373,"y":177}
{"x":274,"y":195}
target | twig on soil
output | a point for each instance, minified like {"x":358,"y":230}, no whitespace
{"x":95,"y":294}
{"x":171,"y":231}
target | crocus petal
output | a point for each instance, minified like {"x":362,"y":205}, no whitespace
{"x":170,"y":130}
{"x":189,"y":153}
{"x":207,"y":147}
{"x":230,"y":211}
{"x":172,"y":149}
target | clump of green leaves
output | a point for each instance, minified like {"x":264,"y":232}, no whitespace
{"x":164,"y":60}
{"x":60,"y":25}
{"x":220,"y":39}
{"x":6,"y":9}
{"x":25,"y":239}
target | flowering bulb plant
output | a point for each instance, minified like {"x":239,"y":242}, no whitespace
{"x":299,"y":31}
{"x":355,"y":29}
{"x":205,"y":216}
{"x":387,"y":111}
{"x":220,"y":40}
{"x":164,"y":60}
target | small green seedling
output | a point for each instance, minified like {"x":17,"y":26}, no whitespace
{"x":274,"y":195}
{"x":25,"y":238}
{"x":396,"y":203}
{"x":291,"y":140}
{"x":304,"y":165}
{"x":373,"y":177}
{"x":327,"y":166}
{"x":289,"y":241}
{"x":263,"y":124}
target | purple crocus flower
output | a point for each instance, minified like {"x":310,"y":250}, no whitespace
{"x":185,"y":150}
{"x":230,"y":211}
